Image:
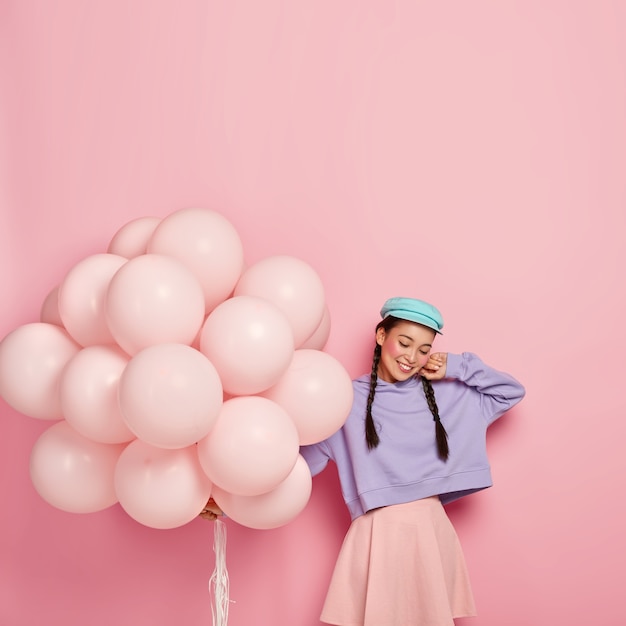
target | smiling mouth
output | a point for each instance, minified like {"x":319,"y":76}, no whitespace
{"x":404,"y":367}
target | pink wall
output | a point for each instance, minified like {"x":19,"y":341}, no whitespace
{"x":470,"y":153}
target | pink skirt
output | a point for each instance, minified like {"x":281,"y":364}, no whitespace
{"x":400,"y":565}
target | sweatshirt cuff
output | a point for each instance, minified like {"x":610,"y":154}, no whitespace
{"x":454,"y":367}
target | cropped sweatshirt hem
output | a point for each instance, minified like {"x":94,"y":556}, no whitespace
{"x":465,"y":483}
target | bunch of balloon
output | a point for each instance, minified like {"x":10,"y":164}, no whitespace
{"x":174,"y":373}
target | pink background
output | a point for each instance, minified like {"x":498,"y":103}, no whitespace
{"x":469,"y":153}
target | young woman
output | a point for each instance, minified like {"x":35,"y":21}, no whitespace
{"x":413,"y":441}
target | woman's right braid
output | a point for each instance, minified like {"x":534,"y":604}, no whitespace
{"x":371,"y":436}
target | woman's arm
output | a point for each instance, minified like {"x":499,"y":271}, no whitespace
{"x":498,"y":390}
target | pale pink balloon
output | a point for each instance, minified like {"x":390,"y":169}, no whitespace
{"x":154,"y":299}
{"x":73,"y":473}
{"x":208,"y":244}
{"x":316,"y":391}
{"x":320,"y":336}
{"x":50,"y":309}
{"x":161,"y":488}
{"x":131,"y":240}
{"x":293,"y":286}
{"x":32,"y":358}
{"x":273,"y":509}
{"x":81,"y":298}
{"x":250,"y":343}
{"x":89,"y":388}
{"x":170,"y":395}
{"x":196,"y":340}
{"x":251,"y":448}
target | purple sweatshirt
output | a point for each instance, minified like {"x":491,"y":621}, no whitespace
{"x":405,"y":465}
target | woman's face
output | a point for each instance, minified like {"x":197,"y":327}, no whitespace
{"x":404,"y":350}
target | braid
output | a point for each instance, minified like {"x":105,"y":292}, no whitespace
{"x":440,"y":431}
{"x":371,"y":436}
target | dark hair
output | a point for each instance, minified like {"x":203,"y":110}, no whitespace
{"x":371,"y":435}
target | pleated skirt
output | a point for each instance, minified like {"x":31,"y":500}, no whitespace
{"x":400,"y":565}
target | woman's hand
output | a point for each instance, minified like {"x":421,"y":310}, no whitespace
{"x":211,"y":511}
{"x":435,"y":368}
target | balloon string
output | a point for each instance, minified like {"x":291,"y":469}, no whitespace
{"x":218,"y":583}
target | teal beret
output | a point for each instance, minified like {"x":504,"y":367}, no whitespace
{"x":413,"y":310}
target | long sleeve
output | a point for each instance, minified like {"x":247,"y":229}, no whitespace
{"x":316,"y":455}
{"x":498,"y":391}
